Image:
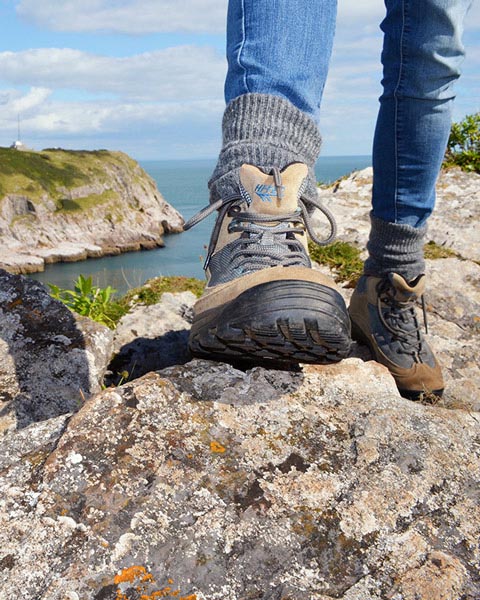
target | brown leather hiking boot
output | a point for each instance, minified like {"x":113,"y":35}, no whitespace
{"x":384,"y":318}
{"x":263,"y":301}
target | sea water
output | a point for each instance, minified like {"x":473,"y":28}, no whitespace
{"x":184,"y":185}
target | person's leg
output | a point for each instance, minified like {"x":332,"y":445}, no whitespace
{"x":278,"y":54}
{"x":421,"y":58}
{"x":263,"y":301}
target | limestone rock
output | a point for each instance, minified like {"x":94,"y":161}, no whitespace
{"x":149,"y":338}
{"x":453,"y":284}
{"x":50,"y":360}
{"x":453,"y":223}
{"x":453,"y":307}
{"x":208,"y":483}
{"x":204,"y":482}
{"x":74,"y":205}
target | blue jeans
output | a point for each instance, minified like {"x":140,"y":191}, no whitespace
{"x":283,"y":47}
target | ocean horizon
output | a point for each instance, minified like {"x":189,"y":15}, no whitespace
{"x":183,"y":184}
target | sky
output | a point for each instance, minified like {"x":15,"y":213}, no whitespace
{"x":146,"y":76}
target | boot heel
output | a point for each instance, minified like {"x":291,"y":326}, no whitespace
{"x":359,"y":336}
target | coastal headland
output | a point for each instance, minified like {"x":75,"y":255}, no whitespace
{"x":67,"y":205}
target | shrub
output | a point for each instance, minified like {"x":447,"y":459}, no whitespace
{"x":463,"y":148}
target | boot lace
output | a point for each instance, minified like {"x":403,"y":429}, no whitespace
{"x":400,"y":319}
{"x":260,"y":246}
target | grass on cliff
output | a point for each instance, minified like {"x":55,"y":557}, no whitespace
{"x":85,"y":202}
{"x":101,"y":305}
{"x":32,"y":174}
{"x":152,"y":290}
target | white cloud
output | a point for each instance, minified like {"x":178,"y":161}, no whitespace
{"x":126,"y":16}
{"x":367,"y":14}
{"x":172,"y":96}
{"x":41,"y":115}
{"x":364,"y":14}
{"x":173,"y":73}
{"x":34,"y":98}
{"x":154,"y":16}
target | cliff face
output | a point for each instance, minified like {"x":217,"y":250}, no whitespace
{"x":59,"y":205}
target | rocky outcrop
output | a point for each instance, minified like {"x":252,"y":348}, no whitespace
{"x":454,"y":223}
{"x":60,"y":205}
{"x":51,"y":360}
{"x":203,"y":482}
{"x":149,"y":338}
{"x":206,"y":483}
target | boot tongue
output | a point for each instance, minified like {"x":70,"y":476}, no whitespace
{"x":407,"y":291}
{"x":273,"y":195}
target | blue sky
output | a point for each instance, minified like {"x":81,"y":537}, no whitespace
{"x":146,"y":76}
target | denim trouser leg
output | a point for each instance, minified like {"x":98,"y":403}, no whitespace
{"x":280,"y":47}
{"x":421,"y":58}
{"x":278,"y":53}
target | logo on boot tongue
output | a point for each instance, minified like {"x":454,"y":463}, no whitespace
{"x":267,"y":193}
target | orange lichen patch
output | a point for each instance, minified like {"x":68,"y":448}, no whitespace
{"x":130,"y":574}
{"x":218,"y":449}
{"x":165,"y":593}
{"x":142,"y":579}
{"x":15,"y":303}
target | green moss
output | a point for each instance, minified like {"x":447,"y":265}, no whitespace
{"x":152,"y":291}
{"x":342,"y":257}
{"x":433,"y":251}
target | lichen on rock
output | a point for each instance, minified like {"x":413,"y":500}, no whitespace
{"x":324,"y":488}
{"x":201,"y":481}
{"x":51,"y":359}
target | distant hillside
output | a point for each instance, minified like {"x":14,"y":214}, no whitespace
{"x":65,"y":205}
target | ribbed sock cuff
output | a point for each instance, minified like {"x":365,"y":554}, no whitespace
{"x":265,"y":131}
{"x":395,"y":248}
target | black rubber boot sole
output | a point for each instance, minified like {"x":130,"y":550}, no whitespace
{"x":281,"y":321}
{"x":359,"y":336}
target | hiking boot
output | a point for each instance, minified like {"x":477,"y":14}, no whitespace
{"x":384,"y":318}
{"x":263,"y":301}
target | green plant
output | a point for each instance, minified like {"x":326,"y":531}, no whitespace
{"x":153,"y":289}
{"x":340,"y":256}
{"x":463,"y":148}
{"x":90,"y":301}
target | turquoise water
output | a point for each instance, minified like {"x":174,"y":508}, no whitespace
{"x":184,"y":185}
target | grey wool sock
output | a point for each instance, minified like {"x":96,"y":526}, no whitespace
{"x":265,"y":131}
{"x":395,"y":248}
